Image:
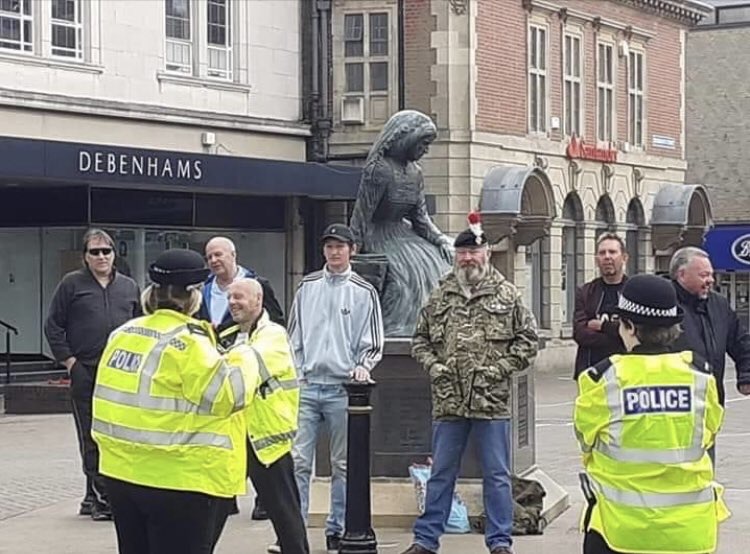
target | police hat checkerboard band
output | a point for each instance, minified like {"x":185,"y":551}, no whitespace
{"x":633,"y":308}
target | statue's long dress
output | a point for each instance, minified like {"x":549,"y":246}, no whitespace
{"x":400,"y":227}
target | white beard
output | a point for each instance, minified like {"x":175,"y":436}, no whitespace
{"x":471,"y":275}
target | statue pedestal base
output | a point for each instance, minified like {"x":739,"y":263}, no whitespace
{"x":401,"y":434}
{"x":394,"y":501}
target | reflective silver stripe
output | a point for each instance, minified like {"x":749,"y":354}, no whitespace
{"x":615,"y":406}
{"x":288,"y":384}
{"x":149,"y":402}
{"x":653,"y":499}
{"x":643,"y":455}
{"x":614,"y":450}
{"x":237,"y":382}
{"x":160,"y":438}
{"x":585,"y":448}
{"x":265,"y":442}
{"x":214,"y":387}
{"x":265,"y":375}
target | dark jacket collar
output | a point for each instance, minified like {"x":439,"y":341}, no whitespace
{"x":650,"y":349}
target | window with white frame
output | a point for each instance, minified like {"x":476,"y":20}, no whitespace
{"x":366,"y":49}
{"x":219,"y":39}
{"x":635,"y":98}
{"x":67,"y":29}
{"x":537,"y":79}
{"x":605,"y":88}
{"x":572,"y":89}
{"x":179,"y":34}
{"x":16,"y":25}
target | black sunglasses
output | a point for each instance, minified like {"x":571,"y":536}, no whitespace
{"x":97,"y":251}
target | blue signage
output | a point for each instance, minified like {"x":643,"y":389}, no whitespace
{"x":67,"y":162}
{"x":729,"y":247}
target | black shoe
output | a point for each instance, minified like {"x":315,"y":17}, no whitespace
{"x":87,"y":504}
{"x":100,"y":512}
{"x":333,"y":543}
{"x":259,"y":512}
{"x":502,"y":550}
{"x":416,"y":549}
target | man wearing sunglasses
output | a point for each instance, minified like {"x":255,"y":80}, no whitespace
{"x":87,"y":306}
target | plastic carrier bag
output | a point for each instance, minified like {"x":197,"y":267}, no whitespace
{"x":458,"y":520}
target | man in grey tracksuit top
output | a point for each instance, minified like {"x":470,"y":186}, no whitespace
{"x":336,"y":333}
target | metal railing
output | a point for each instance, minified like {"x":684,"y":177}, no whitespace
{"x":8,"y":330}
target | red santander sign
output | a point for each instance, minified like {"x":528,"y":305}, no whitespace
{"x":578,"y":149}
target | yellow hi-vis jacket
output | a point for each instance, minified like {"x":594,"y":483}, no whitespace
{"x":645,"y":422}
{"x":168,"y":408}
{"x":272,"y":417}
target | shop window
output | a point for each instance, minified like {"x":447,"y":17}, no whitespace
{"x":48,"y":206}
{"x":257,"y":213}
{"x":67,"y":29}
{"x":16,"y":25}
{"x":537,"y":79}
{"x":572,"y":253}
{"x":141,"y":207}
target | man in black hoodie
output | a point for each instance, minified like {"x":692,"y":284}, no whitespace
{"x":596,"y":327}
{"x":710,"y":327}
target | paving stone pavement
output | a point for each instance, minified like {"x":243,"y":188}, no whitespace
{"x":41,"y":485}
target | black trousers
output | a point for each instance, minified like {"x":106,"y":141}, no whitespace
{"x":277,"y":487}
{"x":159,"y":521}
{"x":81,"y":395}
{"x":594,"y":543}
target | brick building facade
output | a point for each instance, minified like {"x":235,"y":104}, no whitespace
{"x":517,"y":84}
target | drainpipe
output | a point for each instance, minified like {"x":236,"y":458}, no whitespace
{"x":324,"y":122}
{"x":401,"y":57}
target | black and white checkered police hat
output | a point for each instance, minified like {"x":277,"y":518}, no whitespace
{"x":649,"y":300}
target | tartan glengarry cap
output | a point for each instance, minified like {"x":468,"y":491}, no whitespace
{"x":649,"y":300}
{"x":180,"y":267}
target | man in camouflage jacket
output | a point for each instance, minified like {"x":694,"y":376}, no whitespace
{"x":472,"y":334}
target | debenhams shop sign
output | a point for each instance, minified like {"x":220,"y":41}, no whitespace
{"x":138,"y":165}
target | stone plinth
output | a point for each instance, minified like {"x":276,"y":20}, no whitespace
{"x":37,"y":398}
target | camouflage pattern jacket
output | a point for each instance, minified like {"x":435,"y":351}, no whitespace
{"x":471,"y":346}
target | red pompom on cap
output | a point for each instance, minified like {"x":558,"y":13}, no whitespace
{"x":475,"y":224}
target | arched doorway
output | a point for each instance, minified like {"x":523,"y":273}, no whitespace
{"x":518,"y":204}
{"x":572,"y":253}
{"x":634,"y":240}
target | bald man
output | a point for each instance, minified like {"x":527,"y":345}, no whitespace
{"x":272,"y":420}
{"x":221,"y":256}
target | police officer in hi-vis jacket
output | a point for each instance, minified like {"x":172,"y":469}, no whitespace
{"x":645,"y":420}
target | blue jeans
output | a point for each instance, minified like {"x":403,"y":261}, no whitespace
{"x":449,"y":439}
{"x":326,"y":405}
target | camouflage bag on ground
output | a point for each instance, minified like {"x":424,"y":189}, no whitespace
{"x":528,"y":497}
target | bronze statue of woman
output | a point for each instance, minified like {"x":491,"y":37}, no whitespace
{"x":390,"y":217}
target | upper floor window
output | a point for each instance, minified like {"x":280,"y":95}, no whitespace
{"x":67,"y":29}
{"x":219,"y":39}
{"x":366,"y":49}
{"x":605,"y":88}
{"x":635,"y":98}
{"x":16,"y":25}
{"x":179,"y":36}
{"x":185,"y":46}
{"x":572,"y":91}
{"x":537,"y":79}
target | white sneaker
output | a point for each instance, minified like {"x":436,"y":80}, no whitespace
{"x":274,"y":548}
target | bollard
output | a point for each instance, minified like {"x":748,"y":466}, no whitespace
{"x":359,"y":538}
